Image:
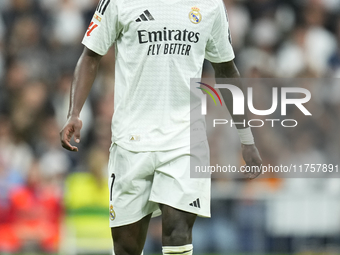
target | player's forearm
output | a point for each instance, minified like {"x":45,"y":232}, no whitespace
{"x":229,"y":70}
{"x":84,"y":76}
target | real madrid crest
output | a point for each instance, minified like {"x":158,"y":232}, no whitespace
{"x":112,"y":213}
{"x":195,"y":15}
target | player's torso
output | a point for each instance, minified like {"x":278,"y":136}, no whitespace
{"x":166,"y":27}
{"x":161,"y":45}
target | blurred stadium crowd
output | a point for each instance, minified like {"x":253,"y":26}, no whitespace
{"x":41,"y":183}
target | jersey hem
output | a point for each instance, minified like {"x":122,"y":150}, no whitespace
{"x":155,"y":213}
{"x":182,"y":208}
{"x":212,"y":60}
{"x":92,"y":47}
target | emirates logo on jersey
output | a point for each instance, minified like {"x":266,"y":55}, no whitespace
{"x":168,"y":35}
{"x":179,"y":41}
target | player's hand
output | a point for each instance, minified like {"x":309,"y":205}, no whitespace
{"x":71,"y":128}
{"x":252,"y":158}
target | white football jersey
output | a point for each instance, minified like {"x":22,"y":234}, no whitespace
{"x":160,"y":45}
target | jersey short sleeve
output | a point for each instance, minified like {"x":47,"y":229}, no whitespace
{"x":218,"y":48}
{"x":104,"y":28}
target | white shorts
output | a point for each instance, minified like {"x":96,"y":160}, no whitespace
{"x":140,"y":181}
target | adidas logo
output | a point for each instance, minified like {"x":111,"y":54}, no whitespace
{"x":196,"y":203}
{"x":145,"y":16}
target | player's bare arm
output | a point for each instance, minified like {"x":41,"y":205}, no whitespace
{"x":249,"y":151}
{"x":84,"y":75}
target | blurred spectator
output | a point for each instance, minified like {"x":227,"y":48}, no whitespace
{"x":291,"y":57}
{"x":34,"y":221}
{"x":88,"y":190}
{"x":16,"y":155}
{"x":60,"y":100}
{"x":54,"y":161}
{"x":25,"y":43}
{"x":9,"y":180}
{"x":334,"y":60}
{"x":2,"y":35}
{"x":239,"y":23}
{"x":86,"y":201}
{"x":30,"y":107}
{"x":17,"y":74}
{"x":69,"y":24}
